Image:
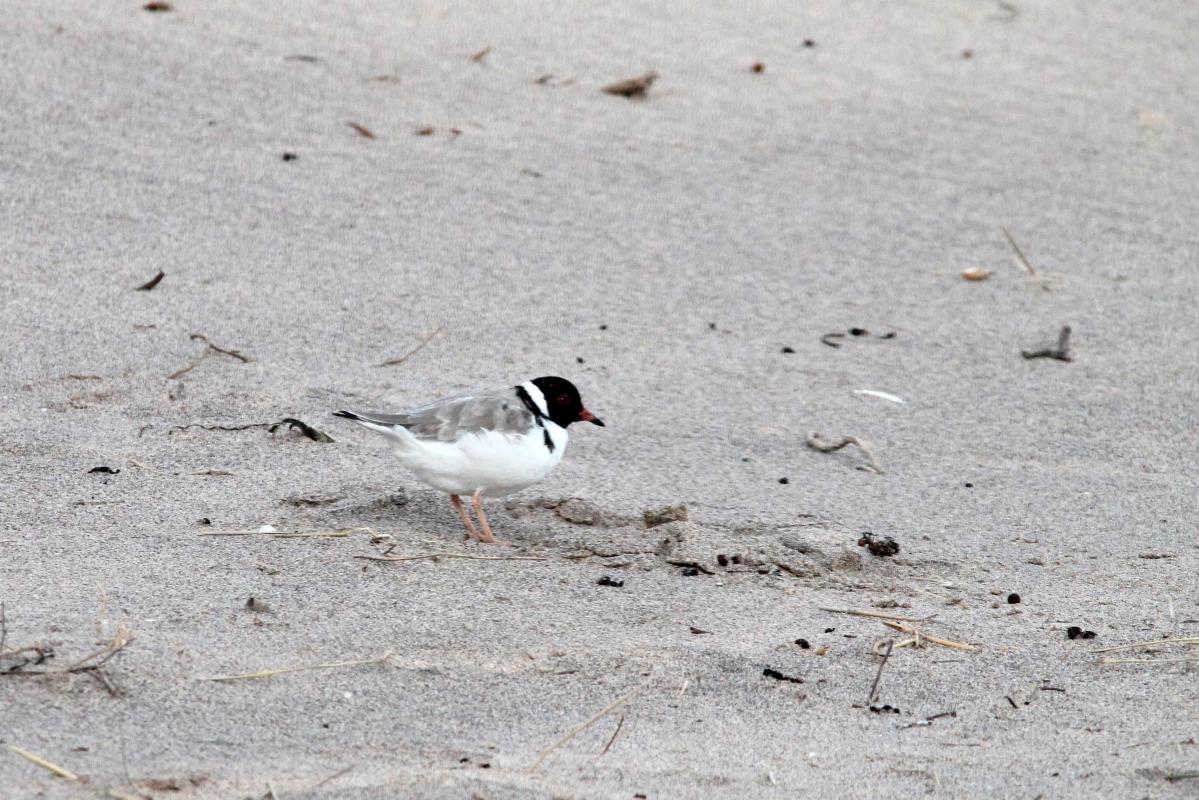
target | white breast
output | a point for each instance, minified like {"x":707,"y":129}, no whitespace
{"x":497,"y":463}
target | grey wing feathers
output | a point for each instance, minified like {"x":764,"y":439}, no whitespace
{"x":447,"y":420}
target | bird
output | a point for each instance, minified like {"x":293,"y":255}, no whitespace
{"x":485,"y":443}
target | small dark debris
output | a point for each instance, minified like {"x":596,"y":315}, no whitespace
{"x":858,"y":332}
{"x":788,"y":350}
{"x":304,"y":428}
{"x":884,"y":709}
{"x":480,"y":55}
{"x":639,"y":796}
{"x":969,"y":485}
{"x":803,"y":644}
{"x":967,"y":54}
{"x":769,"y":672}
{"x":699,"y":631}
{"x":744,"y":459}
{"x":158,"y":7}
{"x":307,"y":59}
{"x":104,"y":470}
{"x":1011,"y":702}
{"x":362,"y":130}
{"x":1061,"y":352}
{"x":711,"y":326}
{"x":290,"y":156}
{"x":464,"y":760}
{"x":606,"y":581}
{"x":632,"y":87}
{"x":203,"y":521}
{"x":603,"y":327}
{"x":579,"y":360}
{"x":1075,"y":632}
{"x":1052,"y":689}
{"x":1013,"y":599}
{"x":257,"y":606}
{"x":455,"y":131}
{"x":426,"y":130}
{"x":150,"y":284}
{"x":881,"y":546}
{"x":890,"y":335}
{"x":485,"y":765}
{"x":722,"y":559}
{"x":829,"y":337}
{"x":809,"y":42}
{"x":784,"y":481}
{"x":758,"y":67}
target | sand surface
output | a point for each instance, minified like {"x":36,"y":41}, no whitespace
{"x":661,"y":253}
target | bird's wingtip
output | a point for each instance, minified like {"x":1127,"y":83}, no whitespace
{"x":346,"y":414}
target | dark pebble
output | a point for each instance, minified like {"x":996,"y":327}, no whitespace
{"x":722,"y":559}
{"x":969,"y":485}
{"x":803,"y":644}
{"x":1013,"y":598}
{"x":809,"y":42}
{"x":784,"y":481}
{"x":858,"y":332}
{"x":788,"y":350}
{"x":290,"y":156}
{"x":606,"y":581}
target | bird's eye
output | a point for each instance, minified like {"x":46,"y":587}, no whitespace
{"x":563,"y":400}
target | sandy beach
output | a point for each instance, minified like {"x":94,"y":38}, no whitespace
{"x":740,"y":258}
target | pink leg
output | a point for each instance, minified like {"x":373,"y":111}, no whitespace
{"x":456,"y":501}
{"x":477,"y":502}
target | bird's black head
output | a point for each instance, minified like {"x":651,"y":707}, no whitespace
{"x":562,"y":401}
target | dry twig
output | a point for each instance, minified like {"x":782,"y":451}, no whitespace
{"x":817,"y":442}
{"x":899,"y":626}
{"x":1019,"y":253}
{"x":878,"y":675}
{"x":61,"y":772}
{"x":267,"y":673}
{"x":875,"y":614}
{"x":605,"y":711}
{"x":392,"y":362}
{"x":435,"y":556}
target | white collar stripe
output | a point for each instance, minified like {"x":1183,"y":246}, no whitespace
{"x":537,"y":397}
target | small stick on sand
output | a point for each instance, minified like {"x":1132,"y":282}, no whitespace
{"x":1059,"y":353}
{"x":123,"y":637}
{"x":435,"y":556}
{"x":878,"y":675}
{"x":340,"y":533}
{"x":899,"y":626}
{"x":1181,"y":660}
{"x":267,"y":673}
{"x":209,"y":349}
{"x":615,"y":733}
{"x":43,"y":763}
{"x":1019,"y":253}
{"x":1192,"y":640}
{"x":605,"y":711}
{"x":393,"y":362}
{"x":817,"y":442}
{"x":875,"y":614}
